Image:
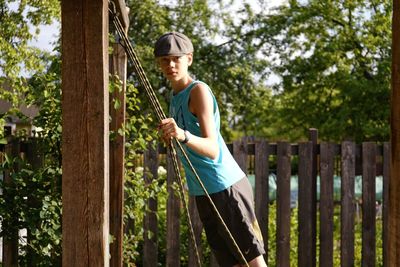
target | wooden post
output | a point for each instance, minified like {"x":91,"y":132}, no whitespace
{"x":283,"y":205}
{"x":173,"y":217}
{"x":118,"y":64}
{"x":85,"y":140}
{"x":348,"y":162}
{"x":394,"y":191}
{"x":385,"y":204}
{"x":305,"y":216}
{"x":240,"y":153}
{"x":150,"y":233}
{"x":261,"y":196}
{"x":368,"y":203}
{"x":197,"y":228}
{"x":10,"y":237}
{"x":313,"y":137}
{"x":326,"y":204}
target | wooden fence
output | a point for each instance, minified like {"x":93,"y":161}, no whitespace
{"x":307,"y":160}
{"x":311,"y":159}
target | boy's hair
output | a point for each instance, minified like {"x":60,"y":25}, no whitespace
{"x":173,"y":44}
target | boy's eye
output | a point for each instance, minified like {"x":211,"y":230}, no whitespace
{"x":166,"y":61}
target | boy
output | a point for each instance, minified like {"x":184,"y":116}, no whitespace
{"x":195,"y":122}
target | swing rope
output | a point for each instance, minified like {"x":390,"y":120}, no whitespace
{"x":171,"y":148}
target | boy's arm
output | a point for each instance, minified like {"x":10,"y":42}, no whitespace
{"x":201,"y":105}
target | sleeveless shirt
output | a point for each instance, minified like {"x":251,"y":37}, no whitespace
{"x":217,"y":174}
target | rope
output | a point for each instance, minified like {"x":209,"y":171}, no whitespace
{"x":161,"y":115}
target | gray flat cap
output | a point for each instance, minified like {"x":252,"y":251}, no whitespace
{"x":173,"y":44}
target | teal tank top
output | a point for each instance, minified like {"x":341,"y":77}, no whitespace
{"x":217,"y":174}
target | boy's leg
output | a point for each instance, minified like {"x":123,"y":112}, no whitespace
{"x":235,"y":205}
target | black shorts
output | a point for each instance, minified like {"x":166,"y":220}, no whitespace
{"x":235,"y":205}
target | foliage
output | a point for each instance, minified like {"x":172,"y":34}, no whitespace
{"x":228,"y":65}
{"x":334,"y":60}
{"x":19,"y":25}
{"x":32,"y":200}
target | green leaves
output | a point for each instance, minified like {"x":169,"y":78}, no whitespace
{"x":334,"y":63}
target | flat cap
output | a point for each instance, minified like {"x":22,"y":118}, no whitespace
{"x":173,"y":44}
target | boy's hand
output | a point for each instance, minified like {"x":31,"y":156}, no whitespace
{"x":169,"y":129}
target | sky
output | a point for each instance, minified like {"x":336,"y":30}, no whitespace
{"x":48,"y":33}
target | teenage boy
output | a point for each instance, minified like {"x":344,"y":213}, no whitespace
{"x":195,"y":122}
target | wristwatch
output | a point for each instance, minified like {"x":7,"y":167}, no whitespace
{"x":187,"y":137}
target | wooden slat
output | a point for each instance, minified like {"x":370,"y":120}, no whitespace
{"x":34,"y":157}
{"x":213,"y":260}
{"x":283,"y":205}
{"x":240,"y":153}
{"x":118,"y":64}
{"x":85,"y":141}
{"x":348,"y":161}
{"x":368,"y":203}
{"x":150,"y":249}
{"x":122,"y":12}
{"x":327,"y":166}
{"x":394,"y":192}
{"x":313,"y":137}
{"x":173,"y":218}
{"x":385,"y":204}
{"x":10,"y":238}
{"x":197,"y":228}
{"x":262,"y":190}
{"x":305,"y":216}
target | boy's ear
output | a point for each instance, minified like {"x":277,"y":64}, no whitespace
{"x":190,"y":58}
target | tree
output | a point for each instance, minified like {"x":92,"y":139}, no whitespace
{"x":223,"y":57}
{"x":19,"y":24}
{"x":334,"y":61}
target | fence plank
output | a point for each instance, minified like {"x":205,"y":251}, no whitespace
{"x":173,"y":217}
{"x":313,"y":137}
{"x":150,"y":253}
{"x":197,"y":229}
{"x":326,"y":204}
{"x":240,"y":153}
{"x":261,"y":170}
{"x":34,"y":157}
{"x":118,"y":63}
{"x":283,"y":205}
{"x":348,"y":160}
{"x":305,"y":244}
{"x":10,"y":237}
{"x":385,"y":204}
{"x":368,"y":203}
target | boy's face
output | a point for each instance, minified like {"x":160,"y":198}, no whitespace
{"x":175,"y":68}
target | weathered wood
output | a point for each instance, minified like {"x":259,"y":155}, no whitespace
{"x":197,"y":229}
{"x":118,"y":64}
{"x":122,"y":12}
{"x":326,"y":204}
{"x":262,"y":190}
{"x":10,"y":236}
{"x":240,"y":153}
{"x":313,"y":137}
{"x":173,"y":217}
{"x":348,"y":160}
{"x":305,"y":216}
{"x":368,"y":203}
{"x":213,"y":260}
{"x":150,"y":233}
{"x":385,"y":203}
{"x":85,"y":141}
{"x":394,"y":192}
{"x":283,"y":205}
{"x":34,"y":157}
